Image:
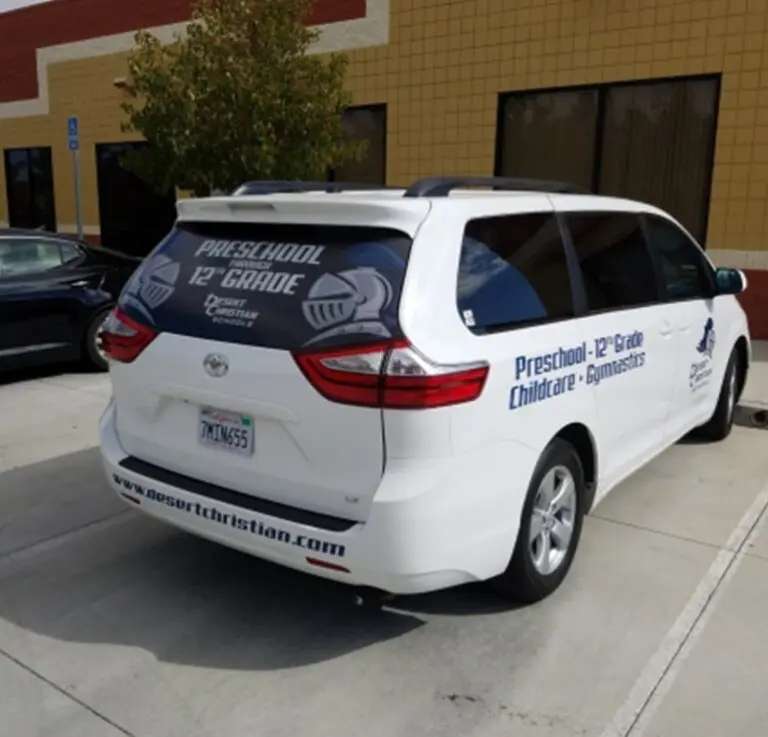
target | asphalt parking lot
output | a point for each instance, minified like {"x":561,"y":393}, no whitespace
{"x":111,"y":624}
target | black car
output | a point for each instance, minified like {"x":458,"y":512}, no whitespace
{"x":55,"y":291}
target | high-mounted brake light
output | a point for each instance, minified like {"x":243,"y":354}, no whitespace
{"x":123,"y":339}
{"x":391,"y":375}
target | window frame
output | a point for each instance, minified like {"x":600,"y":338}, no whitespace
{"x":572,"y":267}
{"x":73,"y":245}
{"x":705,"y":264}
{"x":602,"y":90}
{"x":587,"y":312}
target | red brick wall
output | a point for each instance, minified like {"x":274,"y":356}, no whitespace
{"x":755,"y":303}
{"x":63,"y":21}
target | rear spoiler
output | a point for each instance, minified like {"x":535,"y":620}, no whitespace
{"x":399,"y":213}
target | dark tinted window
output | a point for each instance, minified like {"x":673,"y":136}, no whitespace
{"x":658,"y":143}
{"x":549,"y":135}
{"x":275,"y":286}
{"x":614,"y":258}
{"x":512,"y":271}
{"x":134,"y":215}
{"x":684,"y":273}
{"x":22,"y":257}
{"x":29,"y":183}
{"x":365,"y":124}
{"x":70,"y":253}
{"x":652,"y":142}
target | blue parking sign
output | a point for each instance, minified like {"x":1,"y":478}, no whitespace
{"x":73,"y":133}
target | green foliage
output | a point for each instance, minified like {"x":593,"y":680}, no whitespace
{"x":236,"y":98}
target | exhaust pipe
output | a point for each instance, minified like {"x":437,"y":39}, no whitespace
{"x":759,"y":418}
{"x":371,"y":599}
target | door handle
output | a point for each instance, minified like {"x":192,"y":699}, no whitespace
{"x":666,"y":329}
{"x":81,"y":283}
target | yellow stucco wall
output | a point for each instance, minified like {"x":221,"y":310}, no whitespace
{"x":83,"y":88}
{"x":448,"y":60}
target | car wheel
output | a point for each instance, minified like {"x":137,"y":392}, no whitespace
{"x":92,"y":347}
{"x":550,"y":527}
{"x":721,"y":423}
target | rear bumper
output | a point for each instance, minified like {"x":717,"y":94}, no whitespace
{"x":432,"y":525}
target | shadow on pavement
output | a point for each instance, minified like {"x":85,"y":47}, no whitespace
{"x":43,"y":501}
{"x":751,"y":416}
{"x":104,"y":574}
{"x":43,"y":371}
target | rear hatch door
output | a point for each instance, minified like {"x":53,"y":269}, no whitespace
{"x":218,"y":395}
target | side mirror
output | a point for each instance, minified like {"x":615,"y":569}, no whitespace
{"x":730,"y":281}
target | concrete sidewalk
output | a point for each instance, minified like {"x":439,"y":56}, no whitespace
{"x":50,"y":414}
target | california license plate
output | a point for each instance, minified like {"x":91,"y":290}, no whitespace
{"x":225,"y":430}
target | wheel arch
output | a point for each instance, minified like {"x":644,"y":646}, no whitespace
{"x":98,"y":312}
{"x":742,"y":351}
{"x":580,"y":437}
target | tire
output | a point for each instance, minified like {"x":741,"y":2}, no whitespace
{"x":526,"y":580}
{"x":720,"y":424}
{"x":91,"y":351}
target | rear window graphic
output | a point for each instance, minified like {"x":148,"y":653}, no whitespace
{"x":273,"y":285}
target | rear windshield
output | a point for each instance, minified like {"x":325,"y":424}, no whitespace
{"x":273,"y":285}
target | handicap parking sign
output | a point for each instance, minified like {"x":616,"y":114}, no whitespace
{"x":73,"y":133}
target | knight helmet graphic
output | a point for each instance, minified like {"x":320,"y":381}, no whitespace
{"x":358,"y":294}
{"x":151,"y":285}
{"x":355,"y":296}
{"x":707,"y":343}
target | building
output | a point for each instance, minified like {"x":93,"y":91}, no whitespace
{"x":665,"y":100}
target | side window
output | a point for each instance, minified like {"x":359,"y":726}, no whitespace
{"x":70,"y":253}
{"x":684,"y":271}
{"x":615,"y":260}
{"x":513,"y":271}
{"x":22,"y":257}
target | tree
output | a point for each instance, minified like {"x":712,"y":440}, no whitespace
{"x":236,"y":98}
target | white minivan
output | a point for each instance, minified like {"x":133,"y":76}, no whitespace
{"x":410,"y":389}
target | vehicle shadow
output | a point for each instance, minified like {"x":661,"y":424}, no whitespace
{"x":90,"y":570}
{"x":42,"y":371}
{"x":751,"y":416}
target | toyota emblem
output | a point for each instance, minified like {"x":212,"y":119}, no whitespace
{"x":216,"y":365}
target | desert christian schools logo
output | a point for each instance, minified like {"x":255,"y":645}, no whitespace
{"x":702,"y":370}
{"x":706,"y":345}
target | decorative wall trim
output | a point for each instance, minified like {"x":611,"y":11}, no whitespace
{"x":373,"y":30}
{"x":67,"y":229}
{"x":757,"y":260}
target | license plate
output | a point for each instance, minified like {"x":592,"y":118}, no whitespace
{"x":225,"y":430}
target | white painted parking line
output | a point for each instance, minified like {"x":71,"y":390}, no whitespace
{"x":662,"y":669}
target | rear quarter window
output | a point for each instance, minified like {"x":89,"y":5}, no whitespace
{"x":273,"y":285}
{"x":512,"y":272}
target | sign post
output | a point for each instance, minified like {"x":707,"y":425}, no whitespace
{"x":73,"y":134}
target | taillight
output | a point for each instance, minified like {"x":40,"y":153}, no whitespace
{"x":391,"y":375}
{"x":122,"y":338}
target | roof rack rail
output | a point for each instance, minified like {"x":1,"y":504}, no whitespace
{"x":443,"y":186}
{"x":271,"y":186}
